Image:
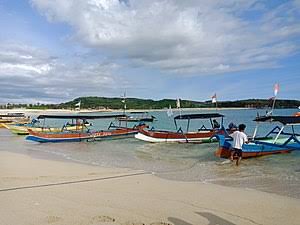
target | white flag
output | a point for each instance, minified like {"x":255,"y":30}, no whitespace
{"x":170,"y":112}
{"x":214,"y":98}
{"x":276,"y":89}
{"x":178,"y":103}
{"x":78,"y":104}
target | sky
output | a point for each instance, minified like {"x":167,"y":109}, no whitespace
{"x":53,"y":51}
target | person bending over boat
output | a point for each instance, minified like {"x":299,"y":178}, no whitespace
{"x":216,"y":125}
{"x":239,"y":138}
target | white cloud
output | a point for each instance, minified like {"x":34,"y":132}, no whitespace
{"x":31,"y":74}
{"x":21,"y":59}
{"x":191,"y":36}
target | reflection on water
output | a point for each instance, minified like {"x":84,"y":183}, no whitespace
{"x":187,"y":162}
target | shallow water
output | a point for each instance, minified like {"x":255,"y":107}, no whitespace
{"x":186,"y":162}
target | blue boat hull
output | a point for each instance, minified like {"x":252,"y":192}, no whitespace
{"x":255,"y":148}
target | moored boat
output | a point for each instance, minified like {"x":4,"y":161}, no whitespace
{"x":13,"y":118}
{"x":22,"y":129}
{"x":277,"y":141}
{"x":137,"y":117}
{"x":202,"y":135}
{"x":84,"y":133}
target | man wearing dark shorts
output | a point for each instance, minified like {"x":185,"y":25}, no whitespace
{"x":239,"y":138}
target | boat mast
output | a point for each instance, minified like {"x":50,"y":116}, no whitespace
{"x":276,"y":90}
{"x":125,"y":107}
{"x":255,"y":131}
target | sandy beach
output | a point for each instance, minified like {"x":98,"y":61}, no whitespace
{"x":38,"y":191}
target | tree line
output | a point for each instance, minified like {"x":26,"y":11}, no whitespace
{"x":136,"y":103}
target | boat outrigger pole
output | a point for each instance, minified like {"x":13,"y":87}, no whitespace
{"x":277,"y":136}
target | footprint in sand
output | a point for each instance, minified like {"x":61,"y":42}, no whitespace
{"x":53,"y":219}
{"x":102,"y":219}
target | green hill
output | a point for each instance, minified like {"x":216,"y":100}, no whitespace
{"x":131,"y":103}
{"x":136,"y":103}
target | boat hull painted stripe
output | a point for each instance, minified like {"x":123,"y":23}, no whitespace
{"x":76,"y":137}
{"x":144,"y":137}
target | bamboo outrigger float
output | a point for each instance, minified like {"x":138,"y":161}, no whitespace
{"x":202,"y":135}
{"x":83,"y":133}
{"x":277,"y":141}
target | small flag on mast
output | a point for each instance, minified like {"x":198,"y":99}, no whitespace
{"x":276,"y":89}
{"x":214,"y":98}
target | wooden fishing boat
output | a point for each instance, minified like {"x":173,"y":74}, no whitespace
{"x":202,"y":135}
{"x":22,"y":129}
{"x":83,"y":134}
{"x":12,"y":118}
{"x":137,"y":117}
{"x":275,"y":142}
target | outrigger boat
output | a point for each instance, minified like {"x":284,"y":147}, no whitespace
{"x":12,"y":118}
{"x":275,"y":142}
{"x":202,"y":135}
{"x":137,"y":117}
{"x":83,"y":133}
{"x":22,"y":129}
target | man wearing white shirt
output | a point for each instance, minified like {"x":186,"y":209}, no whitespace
{"x":239,"y":138}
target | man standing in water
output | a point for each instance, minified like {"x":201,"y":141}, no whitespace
{"x":239,"y":138}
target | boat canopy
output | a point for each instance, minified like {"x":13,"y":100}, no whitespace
{"x":139,"y":112}
{"x":190,"y":117}
{"x":80,"y":117}
{"x":285,"y":120}
{"x":13,"y":115}
{"x":198,"y":116}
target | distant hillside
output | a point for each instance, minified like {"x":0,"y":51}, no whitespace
{"x":136,"y":103}
{"x":131,"y":103}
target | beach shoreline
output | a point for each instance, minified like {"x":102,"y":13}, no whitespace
{"x":68,"y":111}
{"x":56,"y":192}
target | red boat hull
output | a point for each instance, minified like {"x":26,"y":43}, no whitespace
{"x":168,"y":136}
{"x":80,"y":136}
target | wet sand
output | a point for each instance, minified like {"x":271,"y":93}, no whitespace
{"x":37,"y":191}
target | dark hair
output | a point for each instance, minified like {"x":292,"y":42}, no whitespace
{"x":242,"y":127}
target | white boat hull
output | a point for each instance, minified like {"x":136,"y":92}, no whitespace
{"x":143,"y":137}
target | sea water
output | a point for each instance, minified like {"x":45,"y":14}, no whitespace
{"x":177,"y":161}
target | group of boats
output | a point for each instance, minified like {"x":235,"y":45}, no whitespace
{"x":79,"y":129}
{"x":13,"y":118}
